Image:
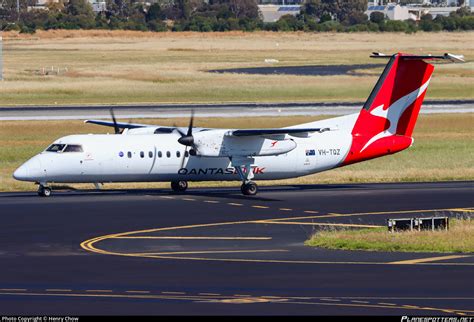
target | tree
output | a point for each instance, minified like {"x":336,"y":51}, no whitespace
{"x":79,"y":7}
{"x":311,"y":8}
{"x":154,"y":12}
{"x":356,"y":18}
{"x":79,"y":14}
{"x":377,"y":17}
{"x":341,"y":10}
{"x":244,"y":8}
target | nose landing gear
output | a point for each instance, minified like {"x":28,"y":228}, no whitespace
{"x":44,"y":191}
{"x":179,"y":186}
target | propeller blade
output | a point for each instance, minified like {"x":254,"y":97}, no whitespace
{"x":187,"y":139}
{"x":116,"y":128}
{"x":184,"y":157}
{"x":191,"y":122}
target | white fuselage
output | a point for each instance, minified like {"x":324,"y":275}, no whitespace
{"x":158,"y":157}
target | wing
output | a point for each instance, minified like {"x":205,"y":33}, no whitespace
{"x":264,"y":132}
{"x":157,"y":129}
{"x":120,"y":125}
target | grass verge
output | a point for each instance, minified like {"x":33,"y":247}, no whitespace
{"x":458,"y":239}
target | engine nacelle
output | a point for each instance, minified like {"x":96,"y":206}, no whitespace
{"x":140,"y":131}
{"x":216,"y":143}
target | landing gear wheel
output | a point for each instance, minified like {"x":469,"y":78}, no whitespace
{"x":249,"y":188}
{"x":179,"y":186}
{"x":44,"y":191}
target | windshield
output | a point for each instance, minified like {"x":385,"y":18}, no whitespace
{"x":73,"y":148}
{"x":55,"y":147}
{"x":64,"y":148}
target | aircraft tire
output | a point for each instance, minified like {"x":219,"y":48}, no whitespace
{"x":44,"y":191}
{"x":249,"y":188}
{"x":179,"y":186}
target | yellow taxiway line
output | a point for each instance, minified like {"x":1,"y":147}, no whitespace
{"x":192,"y":237}
{"x":89,"y":245}
{"x":319,"y":224}
{"x":429,"y":259}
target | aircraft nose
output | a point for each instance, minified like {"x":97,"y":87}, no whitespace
{"x":29,"y":171}
{"x":21,"y":173}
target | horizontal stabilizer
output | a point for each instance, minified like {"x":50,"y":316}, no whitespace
{"x":447,"y":56}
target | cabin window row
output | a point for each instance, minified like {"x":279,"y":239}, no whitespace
{"x":159,"y":154}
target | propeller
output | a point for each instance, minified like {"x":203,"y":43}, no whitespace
{"x":187,"y":139}
{"x":116,"y":128}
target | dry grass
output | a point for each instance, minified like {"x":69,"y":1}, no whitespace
{"x":458,"y":239}
{"x":443,"y":150}
{"x":145,"y":67}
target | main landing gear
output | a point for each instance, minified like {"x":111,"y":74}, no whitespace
{"x":244,"y":170}
{"x":44,"y":191}
{"x":249,"y":188}
{"x":179,"y":186}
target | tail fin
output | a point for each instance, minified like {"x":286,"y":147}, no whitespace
{"x":386,"y":122}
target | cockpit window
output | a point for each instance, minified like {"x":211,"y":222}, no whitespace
{"x":56,"y":147}
{"x":73,"y":148}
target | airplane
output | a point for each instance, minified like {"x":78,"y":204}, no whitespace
{"x":152,"y":153}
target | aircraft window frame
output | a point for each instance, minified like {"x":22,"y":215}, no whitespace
{"x":129,"y":154}
{"x":49,"y":148}
{"x":142,"y":154}
{"x":160,"y":155}
{"x":168,"y":154}
{"x":178,"y":154}
{"x":74,"y":146}
{"x":186,"y":154}
{"x":150,"y":154}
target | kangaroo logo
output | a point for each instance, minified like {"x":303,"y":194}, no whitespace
{"x":394,"y":112}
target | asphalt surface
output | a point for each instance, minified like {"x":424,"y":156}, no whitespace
{"x":63,"y":112}
{"x":213,"y":251}
{"x":312,"y":70}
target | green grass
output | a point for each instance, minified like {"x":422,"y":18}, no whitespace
{"x":443,"y":150}
{"x":458,"y":239}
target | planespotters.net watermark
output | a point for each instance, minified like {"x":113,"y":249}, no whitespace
{"x":437,"y":319}
{"x":39,"y":318}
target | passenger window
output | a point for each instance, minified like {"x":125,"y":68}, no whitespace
{"x":168,"y":154}
{"x":150,"y":154}
{"x":160,"y":154}
{"x":129,"y":154}
{"x":73,"y":148}
{"x":186,"y":154}
{"x":178,"y":154}
{"x":55,"y":147}
{"x":142,"y":154}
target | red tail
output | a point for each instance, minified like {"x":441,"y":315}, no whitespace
{"x":387,"y":120}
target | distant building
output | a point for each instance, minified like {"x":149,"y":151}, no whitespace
{"x":393,"y":12}
{"x":97,"y":5}
{"x":280,"y":2}
{"x":272,"y":12}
